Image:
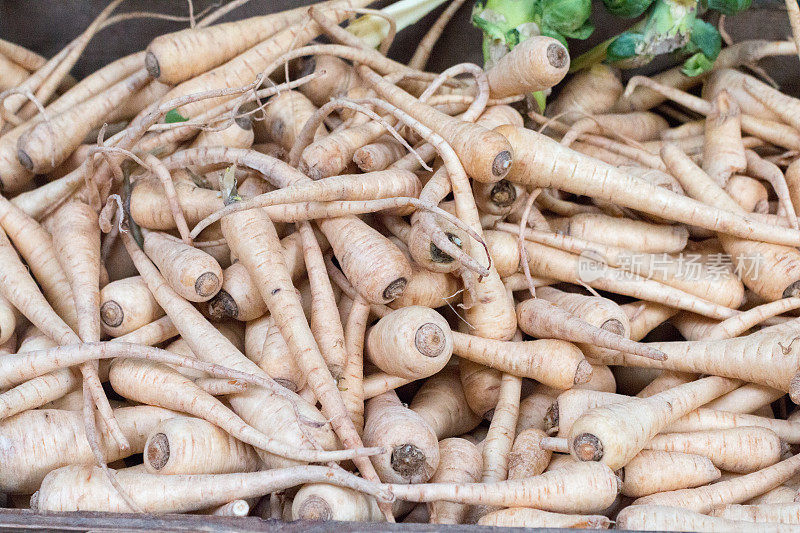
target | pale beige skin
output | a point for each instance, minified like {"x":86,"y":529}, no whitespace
{"x":637,"y":421}
{"x":270,"y":413}
{"x":527,"y":458}
{"x":749,"y":193}
{"x":191,"y":272}
{"x":244,"y":68}
{"x":38,"y":151}
{"x":532,"y":410}
{"x":265,"y":346}
{"x":126,"y":305}
{"x":723,"y":151}
{"x":578,"y":488}
{"x":412,"y":342}
{"x":378,"y":155}
{"x":285,"y":116}
{"x":589,"y":92}
{"x":497,"y":445}
{"x":782,"y":261}
{"x":623,"y":189}
{"x":442,"y":404}
{"x":35,"y":245}
{"x":8,"y":320}
{"x":635,"y":235}
{"x":412,"y":448}
{"x":424,"y":288}
{"x":43,"y":440}
{"x":11,"y":73}
{"x":460,"y":461}
{"x":555,"y":363}
{"x":481,"y":386}
{"x":544,"y":319}
{"x":740,"y":450}
{"x":220,"y":43}
{"x":657,"y":471}
{"x":779,"y":513}
{"x":170,"y":494}
{"x":637,"y":126}
{"x":735,"y":490}
{"x":664,"y":518}
{"x":531,"y":517}
{"x":780,"y":494}
{"x":127,"y":375}
{"x":187,"y":445}
{"x":320,"y":501}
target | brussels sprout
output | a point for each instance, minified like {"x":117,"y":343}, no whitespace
{"x":569,"y":18}
{"x":627,"y":8}
{"x":727,"y":7}
{"x":705,"y":44}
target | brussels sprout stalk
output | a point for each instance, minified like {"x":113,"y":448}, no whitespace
{"x":373,"y":29}
{"x":670,"y":26}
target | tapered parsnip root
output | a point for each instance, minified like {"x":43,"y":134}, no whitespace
{"x":777,"y":513}
{"x":126,"y":305}
{"x":412,"y":449}
{"x":179,"y":493}
{"x":615,"y":433}
{"x":191,"y":272}
{"x":412,"y":342}
{"x":664,"y":518}
{"x":735,"y":490}
{"x":529,"y":517}
{"x":541,"y":318}
{"x":460,"y":461}
{"x":184,"y":395}
{"x":186,"y":445}
{"x":541,"y":162}
{"x":534,"y":65}
{"x":657,"y":471}
{"x":442,"y":404}
{"x":556,"y":363}
{"x":740,"y":450}
{"x":41,"y":440}
{"x":579,"y":488}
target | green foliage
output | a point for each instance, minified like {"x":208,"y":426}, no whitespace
{"x":506,"y":23}
{"x":728,"y":7}
{"x":173,"y":116}
{"x":627,"y":8}
{"x":705,"y":45}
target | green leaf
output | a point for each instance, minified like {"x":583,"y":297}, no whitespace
{"x":541,"y":100}
{"x":627,"y":8}
{"x":173,"y":116}
{"x":697,"y":64}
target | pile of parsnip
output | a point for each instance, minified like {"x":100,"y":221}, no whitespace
{"x":260,"y":268}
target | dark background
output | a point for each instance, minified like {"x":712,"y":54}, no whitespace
{"x":47,"y":25}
